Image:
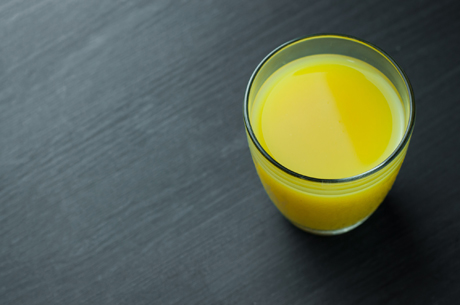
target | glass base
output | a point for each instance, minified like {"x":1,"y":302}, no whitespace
{"x":330,"y":232}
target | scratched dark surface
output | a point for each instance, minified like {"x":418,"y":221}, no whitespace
{"x":125,"y":176}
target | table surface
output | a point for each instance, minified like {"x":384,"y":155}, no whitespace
{"x":125,"y":176}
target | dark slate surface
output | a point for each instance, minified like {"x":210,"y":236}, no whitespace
{"x":125,"y":176}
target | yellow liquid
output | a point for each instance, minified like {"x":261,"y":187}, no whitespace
{"x":328,"y":116}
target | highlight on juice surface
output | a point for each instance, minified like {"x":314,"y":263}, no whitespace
{"x":329,"y":120}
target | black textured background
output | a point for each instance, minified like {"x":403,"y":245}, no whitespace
{"x":125,"y":176}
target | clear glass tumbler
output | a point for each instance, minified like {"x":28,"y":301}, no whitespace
{"x":328,"y":206}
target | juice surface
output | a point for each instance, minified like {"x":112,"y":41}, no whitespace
{"x":328,"y":116}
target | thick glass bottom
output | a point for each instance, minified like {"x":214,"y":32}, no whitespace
{"x":331,"y":232}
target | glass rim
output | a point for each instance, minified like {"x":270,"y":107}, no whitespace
{"x":403,"y":142}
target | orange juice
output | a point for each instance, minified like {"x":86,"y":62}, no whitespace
{"x":328,"y":116}
{"x":328,"y":119}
